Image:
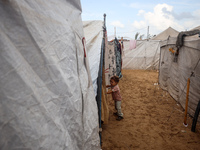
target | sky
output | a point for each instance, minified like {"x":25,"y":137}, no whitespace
{"x":127,"y":17}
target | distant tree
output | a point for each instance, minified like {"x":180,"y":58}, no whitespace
{"x":141,"y":36}
{"x":136,"y":35}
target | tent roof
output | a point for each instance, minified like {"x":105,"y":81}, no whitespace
{"x":164,"y":35}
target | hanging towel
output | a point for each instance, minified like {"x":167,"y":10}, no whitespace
{"x":132,"y":44}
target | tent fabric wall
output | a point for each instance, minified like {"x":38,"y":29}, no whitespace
{"x":144,"y":56}
{"x":46,"y":96}
{"x":93,"y":31}
{"x":126,"y":48}
{"x":173,"y":76}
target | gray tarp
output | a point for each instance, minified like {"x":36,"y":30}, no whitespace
{"x":46,"y":96}
{"x":173,"y":75}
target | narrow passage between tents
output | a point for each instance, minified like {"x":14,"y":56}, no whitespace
{"x":152,"y":118}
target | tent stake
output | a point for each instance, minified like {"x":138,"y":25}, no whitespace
{"x":186,"y":103}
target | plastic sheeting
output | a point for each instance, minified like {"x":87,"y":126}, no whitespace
{"x":144,"y":56}
{"x":93,"y":32}
{"x":46,"y":96}
{"x":173,"y":75}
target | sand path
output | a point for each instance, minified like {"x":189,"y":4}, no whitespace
{"x":152,"y":119}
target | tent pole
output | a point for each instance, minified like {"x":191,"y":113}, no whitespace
{"x":186,"y":103}
{"x":115,"y":31}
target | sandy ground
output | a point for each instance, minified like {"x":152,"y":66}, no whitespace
{"x":152,"y":119}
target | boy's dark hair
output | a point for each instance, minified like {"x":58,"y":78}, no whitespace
{"x":115,"y":78}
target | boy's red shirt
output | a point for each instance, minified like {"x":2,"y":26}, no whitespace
{"x":116,"y":93}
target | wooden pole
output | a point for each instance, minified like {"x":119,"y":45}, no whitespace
{"x":186,"y":103}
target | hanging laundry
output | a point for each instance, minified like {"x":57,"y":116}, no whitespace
{"x":118,"y":55}
{"x":132,"y":44}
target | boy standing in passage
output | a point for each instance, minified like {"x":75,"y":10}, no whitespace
{"x":115,"y":91}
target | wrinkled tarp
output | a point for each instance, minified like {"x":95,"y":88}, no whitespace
{"x":46,"y":96}
{"x":173,"y":76}
{"x":93,"y":32}
{"x":144,"y":56}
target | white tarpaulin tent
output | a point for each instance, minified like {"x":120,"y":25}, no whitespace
{"x":93,"y":32}
{"x":46,"y":96}
{"x":166,"y":33}
{"x":174,"y":74}
{"x":144,"y":56}
{"x":147,"y":52}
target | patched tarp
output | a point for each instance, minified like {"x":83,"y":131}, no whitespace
{"x":46,"y":96}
